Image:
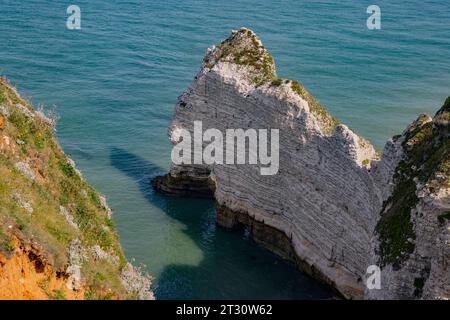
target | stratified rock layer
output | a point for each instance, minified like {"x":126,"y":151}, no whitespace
{"x":322,"y":209}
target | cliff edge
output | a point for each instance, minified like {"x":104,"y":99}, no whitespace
{"x":57,"y":236}
{"x":332,"y":208}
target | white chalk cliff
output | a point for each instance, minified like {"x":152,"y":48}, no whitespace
{"x":331,"y":206}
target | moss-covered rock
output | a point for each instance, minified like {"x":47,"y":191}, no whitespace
{"x":245,"y":49}
{"x":426,"y":148}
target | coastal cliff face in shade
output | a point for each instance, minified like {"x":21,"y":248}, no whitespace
{"x":57,"y":236}
{"x":411,"y":240}
{"x":328,"y":207}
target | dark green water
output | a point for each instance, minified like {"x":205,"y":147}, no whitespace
{"x":189,"y":255}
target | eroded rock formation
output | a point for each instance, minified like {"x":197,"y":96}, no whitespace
{"x":328,"y":207}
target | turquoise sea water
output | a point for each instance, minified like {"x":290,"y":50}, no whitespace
{"x":114,"y":84}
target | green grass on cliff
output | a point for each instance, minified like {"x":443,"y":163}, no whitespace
{"x":328,"y":121}
{"x":57,"y":183}
{"x":244,"y":48}
{"x":427,"y":156}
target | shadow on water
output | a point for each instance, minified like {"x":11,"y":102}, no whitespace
{"x":232,"y":265}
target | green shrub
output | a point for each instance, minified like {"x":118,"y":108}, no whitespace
{"x":8,"y":245}
{"x":276,"y":82}
{"x":57,"y":294}
{"x":67,"y":168}
{"x":427,"y":150}
{"x":443,"y":217}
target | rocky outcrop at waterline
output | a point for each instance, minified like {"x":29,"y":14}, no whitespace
{"x":334,"y":207}
{"x":57,"y":236}
{"x":184,"y":183}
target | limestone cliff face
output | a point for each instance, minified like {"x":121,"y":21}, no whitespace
{"x":322,"y":207}
{"x":412,"y":237}
{"x":57,"y":236}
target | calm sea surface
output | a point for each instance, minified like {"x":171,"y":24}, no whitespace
{"x":114,"y":84}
